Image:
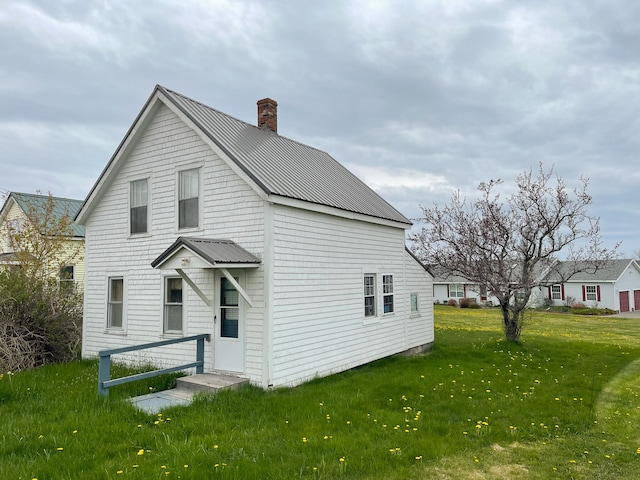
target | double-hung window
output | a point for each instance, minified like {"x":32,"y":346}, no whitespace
{"x":115,"y":302}
{"x":173,"y":305}
{"x":556,"y":292}
{"x":188,"y":198}
{"x":139,"y":200}
{"x":591,"y":293}
{"x":66,"y":280}
{"x":369,"y":295}
{"x":387,"y":293}
{"x":456,"y":290}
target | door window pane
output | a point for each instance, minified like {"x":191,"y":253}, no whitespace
{"x":229,"y":310}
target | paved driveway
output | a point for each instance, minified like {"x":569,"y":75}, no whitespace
{"x":634,"y":314}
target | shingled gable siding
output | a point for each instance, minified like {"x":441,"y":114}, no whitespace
{"x":230,"y":210}
{"x":319,"y":262}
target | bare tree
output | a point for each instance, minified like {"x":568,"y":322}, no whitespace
{"x":42,"y":241}
{"x":506,"y":244}
{"x":40,"y":320}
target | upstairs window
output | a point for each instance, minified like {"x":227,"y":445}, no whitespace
{"x":115,"y":302}
{"x":66,"y":280}
{"x":139,"y":199}
{"x":369,"y":295}
{"x":173,"y":305}
{"x":387,"y":293}
{"x":188,"y":198}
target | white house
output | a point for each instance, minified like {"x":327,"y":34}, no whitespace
{"x":449,"y":286}
{"x":202,"y":223}
{"x":617,"y":286}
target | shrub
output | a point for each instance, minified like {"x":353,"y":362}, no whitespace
{"x":469,"y":303}
{"x":39,"y":323}
{"x":452,"y":302}
{"x":578,"y":306}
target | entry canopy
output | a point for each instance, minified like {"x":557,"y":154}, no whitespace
{"x":190,"y":252}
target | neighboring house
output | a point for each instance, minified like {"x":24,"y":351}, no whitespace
{"x":68,"y":266}
{"x":448,"y":286}
{"x":616,"y":286}
{"x":202,"y":223}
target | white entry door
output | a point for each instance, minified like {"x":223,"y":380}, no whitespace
{"x":229,"y":325}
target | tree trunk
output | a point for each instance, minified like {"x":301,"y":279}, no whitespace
{"x":511,"y":324}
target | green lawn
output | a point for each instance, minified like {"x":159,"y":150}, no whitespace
{"x":563,"y":404}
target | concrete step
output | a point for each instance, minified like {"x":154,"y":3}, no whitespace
{"x":186,"y":388}
{"x":208,"y":382}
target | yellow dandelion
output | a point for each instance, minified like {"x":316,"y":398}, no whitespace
{"x":141,"y":452}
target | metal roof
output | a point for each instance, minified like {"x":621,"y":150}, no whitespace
{"x":284,"y":167}
{"x":214,"y":252}
{"x":61,"y":207}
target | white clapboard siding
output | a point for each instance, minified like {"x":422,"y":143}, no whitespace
{"x":418,"y":280}
{"x":318,"y":307}
{"x":230,"y":210}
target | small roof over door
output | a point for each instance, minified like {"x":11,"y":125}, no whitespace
{"x":190,"y":252}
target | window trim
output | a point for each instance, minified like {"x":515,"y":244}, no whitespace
{"x":198,"y":169}
{"x":461,"y":289}
{"x":165,"y":304}
{"x":67,"y":283}
{"x":365,"y":296}
{"x":416,"y":312}
{"x":147,"y":206}
{"x":110,"y":304}
{"x":386,"y":294}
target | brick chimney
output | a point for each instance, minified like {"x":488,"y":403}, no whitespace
{"x":268,"y":114}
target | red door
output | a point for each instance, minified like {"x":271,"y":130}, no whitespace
{"x":636,"y":299}
{"x":624,"y":301}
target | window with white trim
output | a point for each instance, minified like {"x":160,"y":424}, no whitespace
{"x":66,"y":280}
{"x":369,"y":295}
{"x":456,"y":290}
{"x":591,"y":292}
{"x":556,"y":292}
{"x":173,"y":305}
{"x":387,"y":294}
{"x":414,"y":304}
{"x":115,"y":303}
{"x":189,"y":198}
{"x":138,"y":206}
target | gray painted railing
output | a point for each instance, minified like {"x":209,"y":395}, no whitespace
{"x":104,"y":368}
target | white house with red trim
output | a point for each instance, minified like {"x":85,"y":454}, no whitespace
{"x":616,"y":286}
{"x":202,"y":223}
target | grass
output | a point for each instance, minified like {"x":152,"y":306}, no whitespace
{"x":562,"y":404}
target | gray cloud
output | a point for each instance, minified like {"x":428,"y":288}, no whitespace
{"x":417,"y":98}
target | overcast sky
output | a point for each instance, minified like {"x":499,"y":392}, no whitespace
{"x":417,"y":98}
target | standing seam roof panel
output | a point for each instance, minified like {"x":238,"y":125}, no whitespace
{"x":285,"y":167}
